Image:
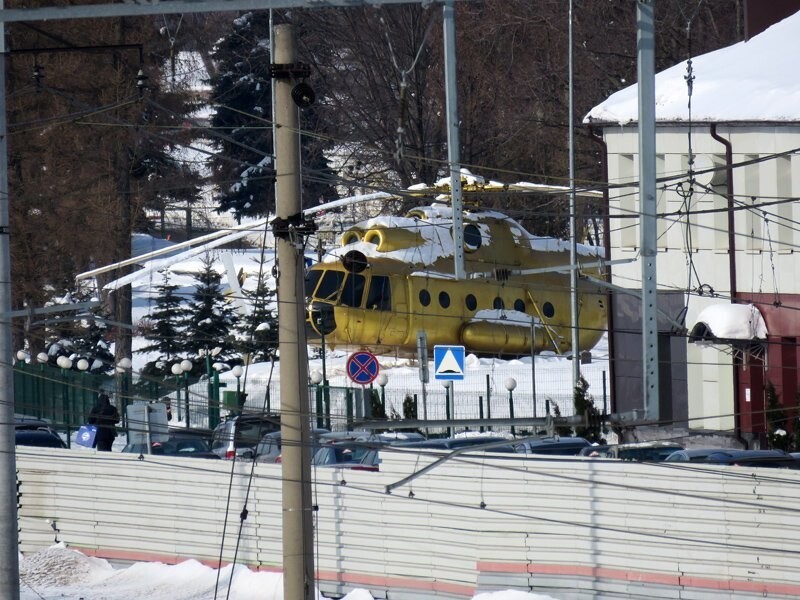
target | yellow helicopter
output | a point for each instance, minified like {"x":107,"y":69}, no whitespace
{"x":392,"y":278}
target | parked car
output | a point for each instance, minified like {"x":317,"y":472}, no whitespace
{"x":32,"y":431}
{"x":453,"y":443}
{"x":269,"y":448}
{"x":641,"y":451}
{"x":753,"y":458}
{"x":357,"y":455}
{"x":555,"y":446}
{"x":186,"y":443}
{"x":692,"y":454}
{"x":45,"y":438}
{"x":239,"y":435}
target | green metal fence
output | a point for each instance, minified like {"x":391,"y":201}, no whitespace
{"x":65,"y":397}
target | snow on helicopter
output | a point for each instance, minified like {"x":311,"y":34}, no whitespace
{"x":392,"y":277}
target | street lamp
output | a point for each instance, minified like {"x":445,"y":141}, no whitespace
{"x":511,"y":385}
{"x":123,"y":369}
{"x":212,"y":385}
{"x":23,"y":356}
{"x":317,"y":378}
{"x":186,"y":367}
{"x":177,"y":371}
{"x":448,"y":386}
{"x":238,"y":371}
{"x":383,"y":379}
{"x":65,"y":364}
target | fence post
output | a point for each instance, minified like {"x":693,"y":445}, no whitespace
{"x":480,"y":410}
{"x":349,"y":407}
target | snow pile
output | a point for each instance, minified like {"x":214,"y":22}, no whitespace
{"x":732,"y":322}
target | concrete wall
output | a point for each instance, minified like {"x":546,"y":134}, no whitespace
{"x":576,"y":528}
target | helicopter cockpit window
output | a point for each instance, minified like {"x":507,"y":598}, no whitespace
{"x":472,"y":238}
{"x":328,"y":288}
{"x":312,"y":279}
{"x":353,"y":290}
{"x":379,"y":296}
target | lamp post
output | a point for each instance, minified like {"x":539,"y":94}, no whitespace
{"x":383,"y":379}
{"x":176,"y":370}
{"x":237,"y":372}
{"x":186,"y":367}
{"x":317,"y":378}
{"x":448,"y":386}
{"x":123,"y":370}
{"x":22,"y":358}
{"x":511,"y":384}
{"x":213,"y":388}
{"x":42,"y":359}
{"x":65,"y":364}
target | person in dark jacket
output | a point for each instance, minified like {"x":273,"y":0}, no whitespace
{"x":105,"y":416}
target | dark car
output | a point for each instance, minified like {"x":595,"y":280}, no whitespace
{"x":239,"y":435}
{"x":454,"y":443}
{"x":44,"y":438}
{"x":556,"y":446}
{"x":656,"y":451}
{"x":32,"y":431}
{"x":269,"y":448}
{"x":178,"y":444}
{"x":692,"y":455}
{"x":753,"y":458}
{"x":357,"y":455}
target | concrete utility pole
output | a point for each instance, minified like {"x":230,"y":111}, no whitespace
{"x":573,"y":225}
{"x":9,"y":561}
{"x":645,"y":52}
{"x":298,"y":536}
{"x":453,"y":158}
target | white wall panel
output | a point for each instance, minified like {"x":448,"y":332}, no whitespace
{"x":599,"y":526}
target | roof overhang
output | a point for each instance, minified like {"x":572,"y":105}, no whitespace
{"x":729,"y":324}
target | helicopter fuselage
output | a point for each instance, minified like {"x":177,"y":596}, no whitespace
{"x":390,"y":280}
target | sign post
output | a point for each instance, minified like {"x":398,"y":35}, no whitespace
{"x":363,"y":369}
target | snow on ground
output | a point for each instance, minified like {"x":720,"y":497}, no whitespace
{"x":60,"y":573}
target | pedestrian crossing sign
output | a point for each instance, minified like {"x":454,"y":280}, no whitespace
{"x":448,"y":363}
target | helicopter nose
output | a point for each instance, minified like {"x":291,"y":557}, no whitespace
{"x":321,"y":320}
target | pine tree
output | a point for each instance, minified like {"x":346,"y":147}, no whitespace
{"x":166,"y":328}
{"x":584,"y":405}
{"x":243,"y":168}
{"x":258,"y":329}
{"x":211,"y":319}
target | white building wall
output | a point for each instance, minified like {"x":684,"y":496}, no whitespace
{"x":766,"y":237}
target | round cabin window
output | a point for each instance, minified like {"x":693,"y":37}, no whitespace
{"x":424,"y":297}
{"x":444,"y":299}
{"x":471,"y":302}
{"x":548,"y":310}
{"x":519,"y":305}
{"x":498,"y":303}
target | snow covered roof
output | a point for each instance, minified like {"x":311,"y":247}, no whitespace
{"x":725,"y":322}
{"x":749,"y":81}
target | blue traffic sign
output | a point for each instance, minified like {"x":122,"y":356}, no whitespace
{"x":448,"y":363}
{"x":362,"y":367}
